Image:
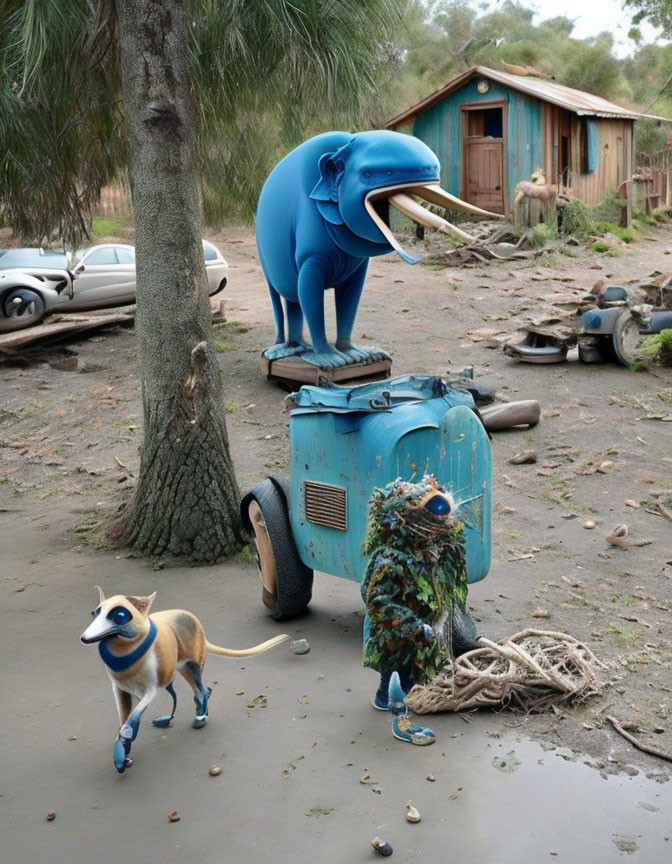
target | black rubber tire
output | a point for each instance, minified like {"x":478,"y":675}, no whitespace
{"x":28,"y":298}
{"x":626,"y":339}
{"x":465,"y":637}
{"x":294,"y":580}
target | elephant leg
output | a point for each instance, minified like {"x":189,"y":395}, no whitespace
{"x":294,"y":345}
{"x":347,"y":302}
{"x":314,"y":279}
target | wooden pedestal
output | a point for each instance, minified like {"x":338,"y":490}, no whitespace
{"x":293,"y":372}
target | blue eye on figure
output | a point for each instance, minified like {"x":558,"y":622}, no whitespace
{"x":438,"y":505}
{"x":120,"y":615}
{"x":95,"y":613}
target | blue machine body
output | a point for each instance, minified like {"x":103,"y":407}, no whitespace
{"x":600,"y":321}
{"x":344,"y":442}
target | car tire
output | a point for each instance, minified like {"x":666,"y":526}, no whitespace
{"x":23,"y":306}
{"x":627,"y":339}
{"x":287,"y":583}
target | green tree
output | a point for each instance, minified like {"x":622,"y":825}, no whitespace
{"x":182,"y":93}
{"x":658,"y":12}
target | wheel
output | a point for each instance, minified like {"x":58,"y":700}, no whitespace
{"x":23,"y":306}
{"x":589,"y":351}
{"x":627,"y":339}
{"x":286,"y":582}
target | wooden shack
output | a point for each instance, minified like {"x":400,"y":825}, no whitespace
{"x":492,"y":129}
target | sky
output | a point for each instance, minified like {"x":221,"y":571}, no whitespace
{"x":591,"y":17}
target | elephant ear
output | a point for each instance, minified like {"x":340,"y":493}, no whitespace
{"x":325,"y":193}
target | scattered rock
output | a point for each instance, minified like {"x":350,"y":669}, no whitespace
{"x":589,"y":524}
{"x":412,"y":814}
{"x":174,"y":816}
{"x":214,"y":771}
{"x":629,"y":502}
{"x":541,"y":613}
{"x":431,"y":777}
{"x":382,"y":846}
{"x":299,"y":646}
{"x":525,"y":457}
{"x":51,"y":816}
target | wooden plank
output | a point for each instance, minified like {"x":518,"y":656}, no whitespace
{"x":293,"y":372}
{"x":60,"y":325}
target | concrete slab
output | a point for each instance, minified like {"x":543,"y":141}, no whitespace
{"x":290,"y":787}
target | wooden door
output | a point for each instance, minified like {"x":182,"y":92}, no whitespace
{"x":484,"y":173}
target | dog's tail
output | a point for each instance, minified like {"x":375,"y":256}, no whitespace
{"x":246,"y":652}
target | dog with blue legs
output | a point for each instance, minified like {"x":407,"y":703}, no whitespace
{"x":141,"y":654}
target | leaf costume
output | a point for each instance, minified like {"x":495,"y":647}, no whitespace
{"x":416,"y":575}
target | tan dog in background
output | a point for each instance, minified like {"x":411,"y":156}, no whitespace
{"x":142,"y":652}
{"x":536,"y":189}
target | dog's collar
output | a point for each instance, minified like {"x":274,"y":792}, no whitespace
{"x":120,"y":663}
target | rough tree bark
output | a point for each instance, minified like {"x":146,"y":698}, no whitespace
{"x":186,"y":502}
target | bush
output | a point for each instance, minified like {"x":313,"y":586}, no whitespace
{"x":609,"y":209}
{"x":658,"y":347}
{"x":576,"y":220}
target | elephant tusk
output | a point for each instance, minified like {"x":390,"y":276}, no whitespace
{"x":385,"y":231}
{"x":411,"y":208}
{"x":434,"y":194}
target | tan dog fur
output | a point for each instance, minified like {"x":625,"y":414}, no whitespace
{"x":180,"y":645}
{"x":535,"y":189}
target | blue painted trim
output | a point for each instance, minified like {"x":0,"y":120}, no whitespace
{"x":591,"y":136}
{"x":121,"y":664}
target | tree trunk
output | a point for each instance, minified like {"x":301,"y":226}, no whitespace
{"x":186,"y":502}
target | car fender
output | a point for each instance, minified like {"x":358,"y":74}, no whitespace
{"x":44,"y":284}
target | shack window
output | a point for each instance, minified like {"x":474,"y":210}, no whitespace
{"x":588,"y":146}
{"x":486,"y":123}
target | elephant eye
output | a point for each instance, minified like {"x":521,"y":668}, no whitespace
{"x":120,"y":615}
{"x":95,"y":613}
{"x":367,"y":173}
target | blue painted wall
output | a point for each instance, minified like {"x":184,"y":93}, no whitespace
{"x":440,"y":128}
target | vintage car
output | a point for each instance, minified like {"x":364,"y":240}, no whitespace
{"x":34,"y":282}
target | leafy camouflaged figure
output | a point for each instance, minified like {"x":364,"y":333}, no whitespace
{"x":415,"y":577}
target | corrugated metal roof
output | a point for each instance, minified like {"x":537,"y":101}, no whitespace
{"x":577,"y":101}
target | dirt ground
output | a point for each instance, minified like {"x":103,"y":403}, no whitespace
{"x":566,"y":785}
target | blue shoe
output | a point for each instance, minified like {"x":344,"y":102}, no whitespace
{"x":380,"y":704}
{"x":404,"y":729}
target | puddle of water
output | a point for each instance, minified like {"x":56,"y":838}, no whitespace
{"x":526,"y":803}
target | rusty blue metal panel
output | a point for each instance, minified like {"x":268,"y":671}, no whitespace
{"x":440,"y":127}
{"x":351,"y":451}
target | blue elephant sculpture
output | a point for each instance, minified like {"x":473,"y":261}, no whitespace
{"x":323,"y":212}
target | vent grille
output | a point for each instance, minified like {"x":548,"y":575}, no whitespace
{"x":326,"y":505}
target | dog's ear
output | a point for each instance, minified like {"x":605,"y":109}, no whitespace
{"x":142,"y":604}
{"x":101,"y":596}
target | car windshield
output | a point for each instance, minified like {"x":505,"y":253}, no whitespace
{"x":30,"y":258}
{"x":209,"y":251}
